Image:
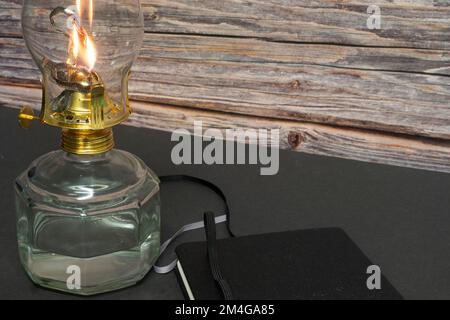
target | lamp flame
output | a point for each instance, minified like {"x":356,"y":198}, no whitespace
{"x":82,"y":51}
{"x":91,"y":53}
{"x":75,"y":43}
{"x":79,"y":8}
{"x":91,"y":13}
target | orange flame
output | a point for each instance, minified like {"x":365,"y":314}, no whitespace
{"x":91,"y":53}
{"x":75,"y":43}
{"x":91,"y":12}
{"x":82,"y":51}
{"x":79,"y":8}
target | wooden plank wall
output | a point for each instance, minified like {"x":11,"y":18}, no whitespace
{"x":309,"y":67}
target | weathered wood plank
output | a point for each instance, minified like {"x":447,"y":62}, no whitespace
{"x":13,"y":54}
{"x":397,"y":102}
{"x":325,"y":84}
{"x":10,"y":11}
{"x":185,"y":47}
{"x":405,"y":23}
{"x":203,"y":48}
{"x":363,"y":145}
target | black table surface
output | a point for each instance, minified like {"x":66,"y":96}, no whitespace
{"x":400,"y":217}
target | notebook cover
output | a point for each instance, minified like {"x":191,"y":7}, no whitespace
{"x":397,"y":216}
{"x":315,"y":264}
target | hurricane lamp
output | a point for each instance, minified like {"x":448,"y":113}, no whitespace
{"x":87,"y":215}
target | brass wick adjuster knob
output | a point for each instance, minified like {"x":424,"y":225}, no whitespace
{"x":26,"y":117}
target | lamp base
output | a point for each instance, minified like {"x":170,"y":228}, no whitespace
{"x":88,"y":224}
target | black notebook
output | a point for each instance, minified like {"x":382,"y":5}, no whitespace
{"x":316,"y":264}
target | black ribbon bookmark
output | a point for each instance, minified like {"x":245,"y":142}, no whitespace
{"x":213,"y":256}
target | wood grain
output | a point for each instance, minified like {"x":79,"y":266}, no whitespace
{"x":396,"y":90}
{"x":405,"y":23}
{"x":362,"y":145}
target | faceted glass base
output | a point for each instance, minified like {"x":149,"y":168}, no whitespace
{"x":88,"y":224}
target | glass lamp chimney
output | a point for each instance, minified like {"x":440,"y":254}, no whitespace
{"x":85,"y":50}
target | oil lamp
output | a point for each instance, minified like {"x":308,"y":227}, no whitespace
{"x":88,"y":215}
